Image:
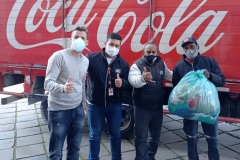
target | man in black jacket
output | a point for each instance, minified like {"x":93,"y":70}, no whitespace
{"x":107,"y":78}
{"x":146,"y":75}
{"x":192,"y":60}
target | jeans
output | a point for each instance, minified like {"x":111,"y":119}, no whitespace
{"x":96,"y":122}
{"x":211,"y":133}
{"x":62,"y":124}
{"x":148,"y":124}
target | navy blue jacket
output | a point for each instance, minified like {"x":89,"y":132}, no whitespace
{"x":98,"y":79}
{"x":200,"y":62}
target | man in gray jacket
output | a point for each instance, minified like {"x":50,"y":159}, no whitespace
{"x":65,"y":81}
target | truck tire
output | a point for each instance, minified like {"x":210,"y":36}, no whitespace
{"x":127,"y":126}
{"x":44,"y":109}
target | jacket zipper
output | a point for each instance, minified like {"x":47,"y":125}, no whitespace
{"x":155,"y":85}
{"x":105,"y":88}
{"x":107,"y":82}
{"x":192,"y":65}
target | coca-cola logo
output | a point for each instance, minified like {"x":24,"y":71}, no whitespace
{"x":50,"y":13}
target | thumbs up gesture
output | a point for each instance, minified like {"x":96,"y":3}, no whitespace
{"x":68,"y":87}
{"x":147,"y":75}
{"x":118,"y":81}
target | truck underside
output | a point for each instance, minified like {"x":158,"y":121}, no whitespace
{"x":230,"y":103}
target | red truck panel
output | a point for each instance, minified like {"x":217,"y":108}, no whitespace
{"x":32,"y":30}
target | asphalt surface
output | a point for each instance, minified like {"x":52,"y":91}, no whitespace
{"x":24,"y":135}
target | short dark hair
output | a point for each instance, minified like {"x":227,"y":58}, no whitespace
{"x":82,"y":29}
{"x":114,"y":36}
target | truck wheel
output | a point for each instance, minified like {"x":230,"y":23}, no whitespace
{"x":43,"y":109}
{"x":127,"y":127}
{"x":127,"y":124}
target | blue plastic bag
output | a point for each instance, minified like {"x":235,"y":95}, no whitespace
{"x":195,"y":98}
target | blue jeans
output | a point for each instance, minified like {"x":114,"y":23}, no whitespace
{"x":62,"y":124}
{"x":96,"y":122}
{"x":211,"y":133}
{"x":148,"y":124}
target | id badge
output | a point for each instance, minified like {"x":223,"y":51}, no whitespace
{"x":110,"y":91}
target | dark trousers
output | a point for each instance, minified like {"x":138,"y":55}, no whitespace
{"x":211,"y":133}
{"x":148,"y":123}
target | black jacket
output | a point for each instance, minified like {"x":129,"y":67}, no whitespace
{"x":98,"y":79}
{"x":151,"y":94}
{"x":200,"y":62}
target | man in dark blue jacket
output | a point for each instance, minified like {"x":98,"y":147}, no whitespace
{"x":192,"y":60}
{"x":107,"y":78}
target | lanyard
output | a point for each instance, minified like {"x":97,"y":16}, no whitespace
{"x":109,"y":76}
{"x":110,"y":89}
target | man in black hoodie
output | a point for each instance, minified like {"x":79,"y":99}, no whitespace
{"x":107,"y":78}
{"x":192,"y":60}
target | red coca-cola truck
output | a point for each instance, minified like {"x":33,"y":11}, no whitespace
{"x":30,"y":31}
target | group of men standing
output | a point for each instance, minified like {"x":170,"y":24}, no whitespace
{"x":108,"y":74}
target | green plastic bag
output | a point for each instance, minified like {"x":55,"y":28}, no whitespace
{"x":195,"y":98}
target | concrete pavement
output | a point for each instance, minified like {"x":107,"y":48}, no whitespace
{"x":24,"y":135}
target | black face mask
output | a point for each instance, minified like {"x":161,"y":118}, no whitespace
{"x":150,"y":58}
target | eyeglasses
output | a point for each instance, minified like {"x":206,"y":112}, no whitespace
{"x":149,"y":52}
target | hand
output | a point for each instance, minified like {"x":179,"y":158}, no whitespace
{"x":206,"y":74}
{"x":68,"y":87}
{"x":118,"y":81}
{"x":85,"y":109}
{"x":147,"y":76}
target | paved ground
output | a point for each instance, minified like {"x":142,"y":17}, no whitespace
{"x":24,"y":135}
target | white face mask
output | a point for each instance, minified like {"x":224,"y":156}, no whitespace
{"x":111,"y":51}
{"x":78,"y":45}
{"x":191,"y":54}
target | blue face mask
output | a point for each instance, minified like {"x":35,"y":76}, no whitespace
{"x":151,"y":58}
{"x":78,"y":45}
